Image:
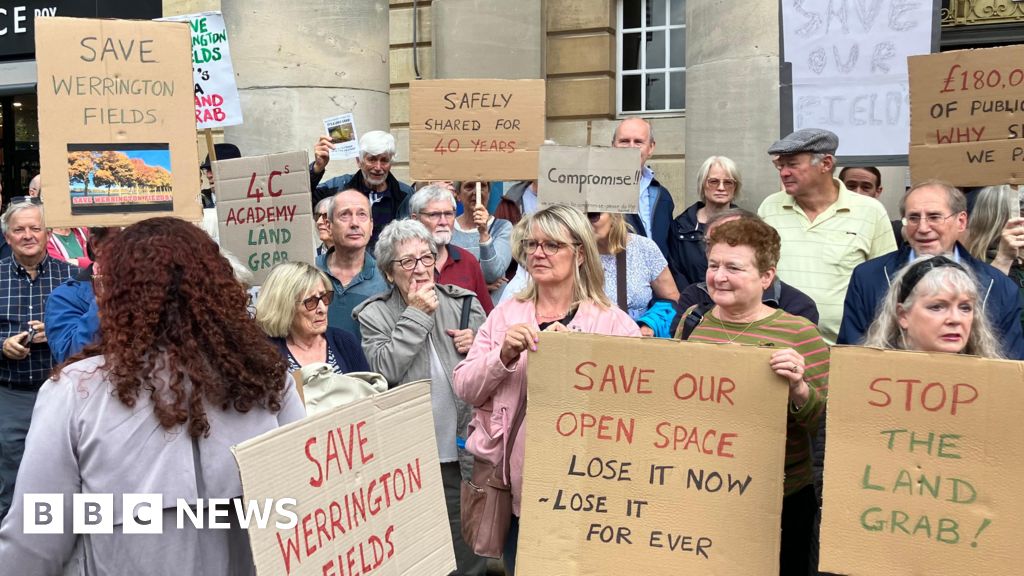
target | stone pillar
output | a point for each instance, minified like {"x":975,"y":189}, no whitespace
{"x":488,"y":39}
{"x":732,"y":91}
{"x":297,"y":63}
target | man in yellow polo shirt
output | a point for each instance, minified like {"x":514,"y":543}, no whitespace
{"x":826,"y":230}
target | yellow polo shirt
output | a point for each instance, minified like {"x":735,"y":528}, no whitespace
{"x":818,"y":257}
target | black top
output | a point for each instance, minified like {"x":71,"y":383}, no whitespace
{"x":343,"y":352}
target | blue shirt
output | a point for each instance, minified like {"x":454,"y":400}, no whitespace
{"x":365,"y":284}
{"x":23,"y":299}
{"x":647,"y":198}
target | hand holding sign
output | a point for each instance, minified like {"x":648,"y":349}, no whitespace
{"x":322,"y":154}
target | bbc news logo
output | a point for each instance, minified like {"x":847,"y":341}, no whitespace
{"x":144,"y":513}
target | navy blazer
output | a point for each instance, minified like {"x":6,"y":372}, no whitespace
{"x":661,"y":218}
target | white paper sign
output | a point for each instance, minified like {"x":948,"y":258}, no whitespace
{"x":849,"y":60}
{"x":342,"y":130}
{"x":217,"y":103}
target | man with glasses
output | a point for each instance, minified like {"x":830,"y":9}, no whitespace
{"x":656,"y":205}
{"x":352,"y":270}
{"x":934,"y":216}
{"x":826,"y":230}
{"x":387,"y":196}
{"x":434,"y":207}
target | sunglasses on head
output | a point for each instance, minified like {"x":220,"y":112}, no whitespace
{"x":311,"y":303}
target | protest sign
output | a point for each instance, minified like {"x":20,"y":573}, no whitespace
{"x":475,"y":129}
{"x":117,"y":140}
{"x":922,"y":462}
{"x":849,"y":69}
{"x":593,"y":179}
{"x":216,"y":94}
{"x":651,"y":457}
{"x":342,"y":130}
{"x":263,"y":210}
{"x":367,"y":485}
{"x":968,"y":111}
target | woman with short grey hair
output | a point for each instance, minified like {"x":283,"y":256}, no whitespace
{"x":420,"y":330}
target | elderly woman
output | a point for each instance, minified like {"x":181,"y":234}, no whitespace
{"x":292,"y":310}
{"x":995,"y":232}
{"x":718,"y":184}
{"x":483,"y":235}
{"x":322,"y":222}
{"x":565,"y":292}
{"x":646,"y":273}
{"x":931,"y":307}
{"x":420,"y":330}
{"x":742,"y":256}
{"x":180,"y":374}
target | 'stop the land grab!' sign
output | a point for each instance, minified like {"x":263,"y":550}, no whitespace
{"x":923,"y":461}
{"x":216,"y":99}
{"x":117,"y":141}
{"x":849,"y":60}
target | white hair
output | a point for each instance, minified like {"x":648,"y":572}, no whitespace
{"x":428,"y":194}
{"x":16,"y":207}
{"x":375,"y":143}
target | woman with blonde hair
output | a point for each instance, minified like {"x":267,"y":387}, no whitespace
{"x":565,"y":293}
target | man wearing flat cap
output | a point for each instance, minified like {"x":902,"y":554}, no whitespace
{"x":826,"y":229}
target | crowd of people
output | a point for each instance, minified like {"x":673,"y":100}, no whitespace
{"x":133,"y":359}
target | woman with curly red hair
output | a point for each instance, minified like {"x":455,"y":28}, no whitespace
{"x":180,"y":374}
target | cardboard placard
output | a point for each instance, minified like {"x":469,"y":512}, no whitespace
{"x":593,"y":179}
{"x":849,"y":69}
{"x":968,"y":116}
{"x":922,"y":462}
{"x":475,"y":129}
{"x":117,"y":140}
{"x":342,"y":130}
{"x":263,"y":211}
{"x":367,"y":483}
{"x":216,"y":94}
{"x":661,"y":456}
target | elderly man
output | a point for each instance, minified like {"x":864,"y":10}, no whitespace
{"x":826,"y":230}
{"x":434,"y":207}
{"x":934,"y":214}
{"x":387,"y":196}
{"x":27,"y":277}
{"x":656,"y":206}
{"x":352,"y":270}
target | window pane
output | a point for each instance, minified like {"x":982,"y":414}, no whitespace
{"x":631,"y":93}
{"x":678,"y":12}
{"x":631,"y":51}
{"x":656,"y":12}
{"x":631,"y":13}
{"x":677,"y":47}
{"x":677,"y":90}
{"x":655,"y":92}
{"x":655,"y":50}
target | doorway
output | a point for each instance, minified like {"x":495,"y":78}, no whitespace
{"x":19,"y":143}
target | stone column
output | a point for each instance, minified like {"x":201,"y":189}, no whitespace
{"x":732,"y":91}
{"x":297,"y":63}
{"x":488,"y":39}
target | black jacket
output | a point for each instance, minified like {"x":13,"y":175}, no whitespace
{"x":393,"y":203}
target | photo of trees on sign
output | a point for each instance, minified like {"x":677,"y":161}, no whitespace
{"x":116,"y":178}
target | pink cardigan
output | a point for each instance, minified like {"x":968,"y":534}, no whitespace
{"x":56,"y":250}
{"x":483,"y":381}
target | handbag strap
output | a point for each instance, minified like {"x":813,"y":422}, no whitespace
{"x":467,"y":305}
{"x":517,"y":422}
{"x":620,"y":280}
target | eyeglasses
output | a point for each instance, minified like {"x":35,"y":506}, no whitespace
{"x":931,"y":219}
{"x":409,"y":263}
{"x":549,"y":247}
{"x":312,"y":302}
{"x":594,"y":217}
{"x":437,"y":216}
{"x":321,"y":216}
{"x":715,"y":183}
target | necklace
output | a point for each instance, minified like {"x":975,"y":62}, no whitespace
{"x":304,"y":348}
{"x":741,"y":332}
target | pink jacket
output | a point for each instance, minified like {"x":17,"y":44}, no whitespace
{"x":483,"y":381}
{"x":56,"y":250}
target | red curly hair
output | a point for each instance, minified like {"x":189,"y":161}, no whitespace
{"x":169,"y":303}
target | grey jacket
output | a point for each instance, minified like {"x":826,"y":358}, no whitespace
{"x":395,"y":342}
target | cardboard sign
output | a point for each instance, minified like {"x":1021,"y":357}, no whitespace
{"x":367,"y":483}
{"x":922,"y":462}
{"x":849,"y":68}
{"x":475,"y":129}
{"x":661,"y":456}
{"x":593,"y":179}
{"x":342,"y":130}
{"x":117,"y":142}
{"x":968,"y":111}
{"x":216,"y":94}
{"x":263,"y":211}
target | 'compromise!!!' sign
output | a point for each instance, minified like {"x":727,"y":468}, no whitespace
{"x":922,"y":464}
{"x":967,"y":116}
{"x":367,"y":484}
{"x":651,"y":457}
{"x":263,"y":210}
{"x":593,"y":179}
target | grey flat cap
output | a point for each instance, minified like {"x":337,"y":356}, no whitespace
{"x":810,"y":140}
